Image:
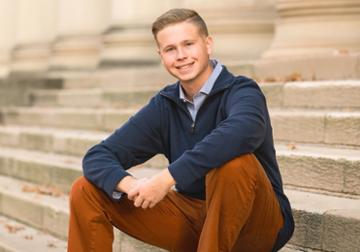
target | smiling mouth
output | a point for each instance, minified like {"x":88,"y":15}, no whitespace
{"x":185,"y":66}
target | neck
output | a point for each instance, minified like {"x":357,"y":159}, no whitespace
{"x":189,"y":91}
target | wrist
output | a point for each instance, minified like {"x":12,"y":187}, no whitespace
{"x":168,"y":178}
{"x":125,"y":184}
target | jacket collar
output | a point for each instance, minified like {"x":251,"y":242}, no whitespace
{"x":224,"y":81}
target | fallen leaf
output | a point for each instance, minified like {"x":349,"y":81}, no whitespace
{"x":51,"y":245}
{"x":293,"y":77}
{"x":271,"y":79}
{"x":28,"y":237}
{"x":343,"y":51}
{"x":291,"y":146}
{"x":12,"y":229}
{"x":28,"y":188}
{"x":43,"y":190}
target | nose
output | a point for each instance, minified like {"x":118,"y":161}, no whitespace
{"x":181,"y":54}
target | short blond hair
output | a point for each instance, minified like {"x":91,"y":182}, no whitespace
{"x":174,"y":16}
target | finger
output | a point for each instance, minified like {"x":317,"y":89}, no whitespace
{"x":145,"y":204}
{"x":152,"y":204}
{"x":138,"y":201}
{"x":133,"y":195}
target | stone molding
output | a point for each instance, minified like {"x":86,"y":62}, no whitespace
{"x":311,"y":38}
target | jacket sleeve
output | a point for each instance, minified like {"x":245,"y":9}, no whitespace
{"x":242,"y":131}
{"x":138,"y":140}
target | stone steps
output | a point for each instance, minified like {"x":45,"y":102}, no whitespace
{"x":61,"y":141}
{"x":20,"y":201}
{"x":326,"y":223}
{"x":343,"y":94}
{"x":47,"y":213}
{"x":322,"y":127}
{"x":54,"y":170}
{"x":323,"y":222}
{"x":17,"y":237}
{"x":74,"y":118}
{"x":92,"y":98}
{"x":119,"y":78}
{"x":57,"y":171}
{"x":309,"y":95}
{"x":332,"y":170}
{"x":315,"y":126}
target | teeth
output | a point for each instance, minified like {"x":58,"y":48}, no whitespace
{"x":184,"y":66}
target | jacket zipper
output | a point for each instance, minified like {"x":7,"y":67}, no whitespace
{"x":193,"y":127}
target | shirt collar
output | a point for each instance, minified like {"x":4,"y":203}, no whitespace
{"x":208,"y":85}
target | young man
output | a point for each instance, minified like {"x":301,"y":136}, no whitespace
{"x":214,"y":129}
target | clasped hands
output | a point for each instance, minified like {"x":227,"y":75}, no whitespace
{"x":147,"y":192}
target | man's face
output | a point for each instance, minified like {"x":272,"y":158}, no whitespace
{"x":185,"y":52}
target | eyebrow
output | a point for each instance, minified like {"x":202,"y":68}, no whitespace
{"x":182,"y":42}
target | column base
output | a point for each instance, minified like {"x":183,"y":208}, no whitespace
{"x":321,"y":67}
{"x":240,"y":41}
{"x":129,"y":46}
{"x":30,"y":58}
{"x":77,"y":52}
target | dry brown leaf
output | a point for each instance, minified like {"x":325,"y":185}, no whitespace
{"x":28,"y":188}
{"x":270,"y":79}
{"x":293,"y":77}
{"x":343,"y":51}
{"x":28,"y":237}
{"x":291,"y":146}
{"x":51,"y":245}
{"x":12,"y":229}
{"x":43,"y":190}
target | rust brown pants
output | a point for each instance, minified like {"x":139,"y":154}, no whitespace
{"x":240,"y":213}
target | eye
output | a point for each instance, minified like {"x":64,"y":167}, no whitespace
{"x":169,"y":49}
{"x":189,"y":43}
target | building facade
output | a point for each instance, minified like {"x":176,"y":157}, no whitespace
{"x":277,"y":36}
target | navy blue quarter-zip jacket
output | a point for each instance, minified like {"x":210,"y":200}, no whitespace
{"x":233,"y":120}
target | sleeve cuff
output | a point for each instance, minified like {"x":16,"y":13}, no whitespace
{"x":116,"y":195}
{"x":113,"y":180}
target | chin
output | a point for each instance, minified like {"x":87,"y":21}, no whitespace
{"x":182,"y":77}
{"x":185,"y":78}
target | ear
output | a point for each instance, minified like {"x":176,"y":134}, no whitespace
{"x":209,"y":44}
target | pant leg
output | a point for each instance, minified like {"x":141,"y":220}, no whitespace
{"x":243,"y":214}
{"x":173,"y":224}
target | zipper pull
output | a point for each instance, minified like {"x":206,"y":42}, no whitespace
{"x":193,"y":127}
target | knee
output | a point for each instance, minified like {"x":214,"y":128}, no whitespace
{"x":242,"y":167}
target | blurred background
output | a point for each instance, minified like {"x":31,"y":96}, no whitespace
{"x":71,"y":72}
{"x":299,"y":36}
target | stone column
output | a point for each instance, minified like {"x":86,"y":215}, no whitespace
{"x":7,"y":33}
{"x":242,"y":29}
{"x":314,"y":39}
{"x":34,"y":33}
{"x":128,"y":41}
{"x":79,"y":28}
